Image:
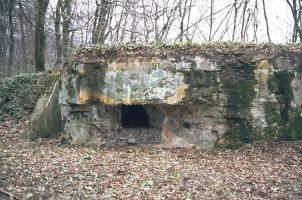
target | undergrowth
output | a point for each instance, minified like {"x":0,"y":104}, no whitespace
{"x":17,"y":94}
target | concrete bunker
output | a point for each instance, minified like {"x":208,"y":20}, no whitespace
{"x":182,"y":96}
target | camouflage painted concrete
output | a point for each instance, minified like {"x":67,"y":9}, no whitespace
{"x":190,"y":99}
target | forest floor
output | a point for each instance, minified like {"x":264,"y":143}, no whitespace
{"x":45,"y":169}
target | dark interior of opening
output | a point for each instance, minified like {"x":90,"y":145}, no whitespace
{"x":134,"y":116}
{"x":186,"y":125}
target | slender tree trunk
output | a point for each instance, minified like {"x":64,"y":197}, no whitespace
{"x":23,"y":44}
{"x":211,"y":19}
{"x":266,"y":22}
{"x":300,"y":19}
{"x":188,"y":21}
{"x":3,"y":35}
{"x":255,"y":23}
{"x":296,"y":13}
{"x":242,"y":35}
{"x":58,"y":35}
{"x":101,"y":21}
{"x":66,"y":28}
{"x":133,"y":28}
{"x":11,"y":34}
{"x":235,"y":20}
{"x":40,"y":35}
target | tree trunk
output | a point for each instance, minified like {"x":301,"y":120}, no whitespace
{"x":211,"y":20}
{"x":11,"y":34}
{"x":40,"y":35}
{"x":58,"y":33}
{"x":266,"y":22}
{"x":235,"y":19}
{"x":23,"y":44}
{"x":3,"y":35}
{"x":243,"y":22}
{"x":101,"y":21}
{"x":66,"y":28}
{"x":296,"y":13}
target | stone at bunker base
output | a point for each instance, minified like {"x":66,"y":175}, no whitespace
{"x":182,"y":96}
{"x":45,"y":120}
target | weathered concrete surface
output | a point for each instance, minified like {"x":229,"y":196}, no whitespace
{"x":193,"y":95}
{"x":46,"y":120}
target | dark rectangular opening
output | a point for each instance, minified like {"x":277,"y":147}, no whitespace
{"x":133,"y":116}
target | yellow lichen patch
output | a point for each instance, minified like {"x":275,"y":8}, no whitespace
{"x":84,"y":96}
{"x":263,"y":75}
{"x":221,"y":141}
{"x":132,"y":63}
{"x":112,"y":101}
{"x":179,"y":95}
{"x":105,"y":99}
{"x":263,"y":64}
{"x":81,"y":69}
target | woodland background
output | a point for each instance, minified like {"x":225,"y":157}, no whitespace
{"x":40,"y":34}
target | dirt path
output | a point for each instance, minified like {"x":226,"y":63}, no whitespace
{"x":44,"y":169}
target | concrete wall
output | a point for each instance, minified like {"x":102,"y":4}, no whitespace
{"x":198,"y":98}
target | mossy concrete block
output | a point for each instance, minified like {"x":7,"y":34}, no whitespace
{"x":46,"y":120}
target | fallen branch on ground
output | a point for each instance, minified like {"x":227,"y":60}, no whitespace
{"x":2,"y":191}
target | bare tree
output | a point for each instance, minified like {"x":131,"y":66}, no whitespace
{"x":40,"y":35}
{"x":211,"y":19}
{"x":69,"y":24}
{"x":11,"y":6}
{"x":184,"y":8}
{"x":266,"y":21}
{"x":236,"y":6}
{"x":255,"y":21}
{"x":102,"y":18}
{"x":296,"y":10}
{"x":58,"y":34}
{"x":66,"y":15}
{"x":23,"y":43}
{"x":243,"y":20}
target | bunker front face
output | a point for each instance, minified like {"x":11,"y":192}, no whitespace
{"x":182,"y":96}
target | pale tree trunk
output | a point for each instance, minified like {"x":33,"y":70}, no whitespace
{"x":255,"y":23}
{"x":133,"y":29}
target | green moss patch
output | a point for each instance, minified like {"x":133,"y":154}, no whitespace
{"x":293,"y":129}
{"x":238,"y":84}
{"x":20,"y":93}
{"x":290,"y":120}
{"x":240,"y":132}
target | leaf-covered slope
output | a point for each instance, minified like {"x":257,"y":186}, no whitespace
{"x":18,"y":93}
